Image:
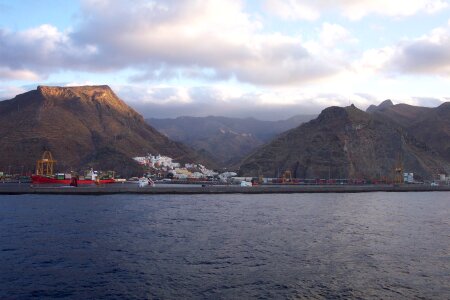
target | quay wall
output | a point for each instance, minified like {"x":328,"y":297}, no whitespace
{"x":6,"y":189}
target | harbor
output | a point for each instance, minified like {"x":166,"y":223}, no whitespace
{"x":125,"y":188}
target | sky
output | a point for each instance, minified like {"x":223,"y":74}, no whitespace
{"x":267,"y":59}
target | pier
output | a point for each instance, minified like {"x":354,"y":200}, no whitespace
{"x":24,"y":188}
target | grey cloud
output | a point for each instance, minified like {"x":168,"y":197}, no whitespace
{"x":423,"y":56}
{"x":262,"y":112}
{"x":153,"y":38}
{"x":42,"y":50}
{"x":161,"y":102}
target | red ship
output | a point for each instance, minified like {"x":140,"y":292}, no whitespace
{"x":44,"y":174}
{"x":38,"y":179}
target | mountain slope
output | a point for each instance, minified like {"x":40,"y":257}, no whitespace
{"x":402,"y":114}
{"x":82,"y":126}
{"x":430,"y":125}
{"x":228,"y":140}
{"x":434,"y":129}
{"x":344,"y":143}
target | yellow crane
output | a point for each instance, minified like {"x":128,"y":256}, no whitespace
{"x":287,"y":176}
{"x":398,"y":170}
{"x":44,"y":166}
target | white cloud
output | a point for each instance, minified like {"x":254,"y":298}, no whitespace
{"x":332,"y":35}
{"x":293,"y":9}
{"x":79,"y":83}
{"x":273,"y":104}
{"x":373,"y":60}
{"x":9,"y":92}
{"x":353,"y":9}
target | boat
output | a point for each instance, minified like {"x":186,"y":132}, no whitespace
{"x":44,"y":174}
{"x":39,"y":179}
{"x":143,"y":181}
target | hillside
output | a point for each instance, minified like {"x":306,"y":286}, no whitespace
{"x":402,"y":114}
{"x":430,"y":125}
{"x":227,"y":140}
{"x":344,"y":143}
{"x":81,"y":126}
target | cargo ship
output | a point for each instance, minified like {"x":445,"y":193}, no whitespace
{"x":44,"y":174}
{"x":38,"y":179}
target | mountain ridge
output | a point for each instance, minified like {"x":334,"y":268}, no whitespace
{"x":226,"y":139}
{"x":428,"y":124}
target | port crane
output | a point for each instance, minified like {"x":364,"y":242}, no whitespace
{"x":398,"y":170}
{"x":44,"y":166}
{"x":287,"y":176}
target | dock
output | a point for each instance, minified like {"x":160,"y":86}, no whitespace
{"x":18,"y":189}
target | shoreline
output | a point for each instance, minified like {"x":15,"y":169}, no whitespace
{"x":20,"y":189}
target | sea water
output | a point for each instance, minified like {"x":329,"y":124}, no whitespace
{"x":368,"y":245}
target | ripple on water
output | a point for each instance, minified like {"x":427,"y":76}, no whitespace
{"x":375,"y":245}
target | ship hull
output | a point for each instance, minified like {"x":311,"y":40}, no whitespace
{"x":37,"y":179}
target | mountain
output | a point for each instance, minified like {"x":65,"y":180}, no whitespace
{"x":430,"y":125}
{"x":382,"y":106}
{"x":402,"y":114}
{"x":227,"y":140}
{"x":345,"y":143}
{"x":82,"y":126}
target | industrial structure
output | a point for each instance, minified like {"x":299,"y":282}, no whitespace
{"x":45,"y":165}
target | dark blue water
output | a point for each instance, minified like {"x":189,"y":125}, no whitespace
{"x":374,"y":245}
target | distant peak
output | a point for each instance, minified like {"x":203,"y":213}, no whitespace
{"x":383,"y":105}
{"x":333,"y":112}
{"x":444,"y":107}
{"x":386,"y":103}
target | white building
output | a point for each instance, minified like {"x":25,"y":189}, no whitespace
{"x":166,"y":163}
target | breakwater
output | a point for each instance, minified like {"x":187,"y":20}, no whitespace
{"x":17,"y":189}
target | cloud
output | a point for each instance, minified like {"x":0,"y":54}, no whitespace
{"x":194,"y":39}
{"x":274,"y":104}
{"x":9,"y":92}
{"x":427,"y":101}
{"x":332,"y":35}
{"x":172,"y":102}
{"x":293,"y":10}
{"x":34,"y":53}
{"x":352,"y":9}
{"x":427,"y":55}
{"x":7,"y":73}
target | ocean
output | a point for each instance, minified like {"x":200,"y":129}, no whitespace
{"x":277,"y":246}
